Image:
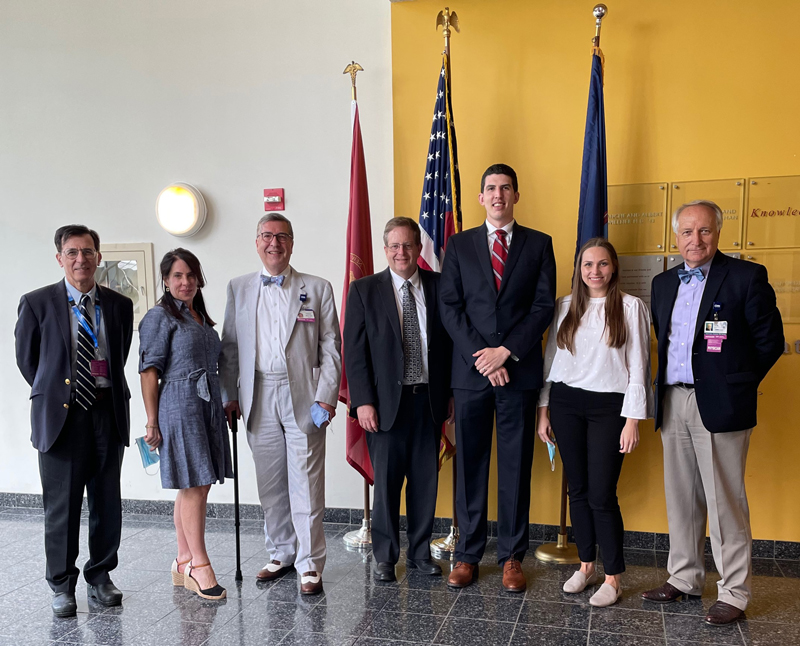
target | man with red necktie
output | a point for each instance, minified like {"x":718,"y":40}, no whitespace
{"x":497,"y":298}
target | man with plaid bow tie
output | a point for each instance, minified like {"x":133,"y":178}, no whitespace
{"x":279,"y":370}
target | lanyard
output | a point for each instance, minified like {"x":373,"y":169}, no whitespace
{"x":83,"y":322}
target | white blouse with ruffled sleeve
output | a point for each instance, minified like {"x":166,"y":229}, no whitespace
{"x":597,"y":367}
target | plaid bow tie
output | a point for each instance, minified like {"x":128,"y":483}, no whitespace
{"x":267,"y":280}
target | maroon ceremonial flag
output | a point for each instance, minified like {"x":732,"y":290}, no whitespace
{"x":359,"y":264}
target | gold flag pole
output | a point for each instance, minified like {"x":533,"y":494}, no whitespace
{"x":359,"y":540}
{"x":445,"y":547}
{"x":561,"y":551}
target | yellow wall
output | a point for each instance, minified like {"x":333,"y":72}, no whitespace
{"x":694,"y":90}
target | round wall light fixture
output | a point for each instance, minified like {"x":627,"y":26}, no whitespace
{"x":181,"y":209}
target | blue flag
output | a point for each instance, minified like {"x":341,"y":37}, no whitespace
{"x":593,"y":210}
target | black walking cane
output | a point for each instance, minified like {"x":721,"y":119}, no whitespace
{"x":234,"y":433}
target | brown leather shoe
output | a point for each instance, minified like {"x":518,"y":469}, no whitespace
{"x":513,"y":578}
{"x":721,"y":614}
{"x":312,"y":586}
{"x":665,"y":593}
{"x":275,"y":572}
{"x":463,"y":574}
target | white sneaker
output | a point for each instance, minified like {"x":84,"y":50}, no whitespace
{"x":606,"y":596}
{"x":579,"y":581}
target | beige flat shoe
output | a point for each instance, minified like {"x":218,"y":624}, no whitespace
{"x":578,"y":582}
{"x":606,"y":596}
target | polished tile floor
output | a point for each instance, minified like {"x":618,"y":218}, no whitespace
{"x":355,"y":611}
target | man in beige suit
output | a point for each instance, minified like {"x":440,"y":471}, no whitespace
{"x":279,"y":369}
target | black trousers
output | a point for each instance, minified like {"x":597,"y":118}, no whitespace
{"x":87,"y":455}
{"x":516,"y":428}
{"x":587,"y":426}
{"x":408,"y":451}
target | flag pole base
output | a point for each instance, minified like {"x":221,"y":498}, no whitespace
{"x":359,"y":540}
{"x":561,"y":552}
{"x":445,"y":548}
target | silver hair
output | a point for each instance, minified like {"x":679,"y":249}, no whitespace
{"x":274,"y":217}
{"x":711,"y":206}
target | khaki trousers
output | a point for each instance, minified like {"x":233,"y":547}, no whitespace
{"x":704,"y":478}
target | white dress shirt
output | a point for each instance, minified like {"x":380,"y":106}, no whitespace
{"x":492,"y":236}
{"x":102,"y":337}
{"x":419,"y":298}
{"x":271,"y":324}
{"x":597,"y":367}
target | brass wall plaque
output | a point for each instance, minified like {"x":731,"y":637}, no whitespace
{"x":773,"y":212}
{"x":636,"y":217}
{"x":727,"y":193}
{"x":783,"y":267}
{"x":636,"y":273}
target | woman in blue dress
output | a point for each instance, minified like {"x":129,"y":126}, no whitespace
{"x":180,"y":348}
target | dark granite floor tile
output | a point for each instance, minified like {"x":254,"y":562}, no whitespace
{"x":173,"y":631}
{"x":757,"y":633}
{"x":146,"y":607}
{"x":609,"y":639}
{"x":273,"y":615}
{"x":639,"y":540}
{"x":662,"y":542}
{"x":336,"y":620}
{"x":243,"y":635}
{"x":42,"y":625}
{"x":424,"y":602}
{"x":494,"y":608}
{"x":787,"y":550}
{"x":355,"y":597}
{"x":790,"y":569}
{"x":290,"y":591}
{"x":766,"y":567}
{"x":775,"y":600}
{"x":317,"y":639}
{"x":563,"y":615}
{"x":404,"y":626}
{"x":763,"y":549}
{"x":473,"y":632}
{"x":688,"y":628}
{"x":108,"y":630}
{"x":526,"y":635}
{"x":630,"y":622}
{"x":336,"y":515}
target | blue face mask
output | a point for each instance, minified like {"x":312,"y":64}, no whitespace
{"x":149,"y":456}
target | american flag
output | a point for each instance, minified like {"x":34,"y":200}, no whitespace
{"x":440,"y":208}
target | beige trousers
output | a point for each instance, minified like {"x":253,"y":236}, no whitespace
{"x":704,"y":478}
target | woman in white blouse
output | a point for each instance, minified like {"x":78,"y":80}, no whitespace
{"x":597,"y":376}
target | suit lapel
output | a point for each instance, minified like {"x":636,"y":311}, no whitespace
{"x":480,"y":239}
{"x":108,"y":320}
{"x":386,"y":290}
{"x":716,"y":276}
{"x":296,"y":287}
{"x":667,"y":304}
{"x":519,"y":238}
{"x":61,"y":307}
{"x":430,"y":301}
{"x":251,"y":296}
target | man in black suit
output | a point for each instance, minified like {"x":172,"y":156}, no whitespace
{"x":397,"y":355}
{"x":497,"y":298}
{"x":719,"y":332}
{"x":72,"y":342}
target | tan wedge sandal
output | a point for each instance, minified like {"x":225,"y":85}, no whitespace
{"x":190,"y":583}
{"x":177,"y":575}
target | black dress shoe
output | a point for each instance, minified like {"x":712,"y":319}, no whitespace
{"x":425,"y":566}
{"x":383,"y":571}
{"x":105,"y":594}
{"x":64,"y":604}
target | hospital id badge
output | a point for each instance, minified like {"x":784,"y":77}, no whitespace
{"x":306,"y":316}
{"x":99,"y":368}
{"x":715,"y":332}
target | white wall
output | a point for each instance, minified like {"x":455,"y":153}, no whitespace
{"x":105,"y":102}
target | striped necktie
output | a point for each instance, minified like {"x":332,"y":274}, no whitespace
{"x":499,"y":256}
{"x":85,"y":387}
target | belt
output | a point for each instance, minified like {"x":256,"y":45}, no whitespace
{"x":680,"y":384}
{"x":415,"y":389}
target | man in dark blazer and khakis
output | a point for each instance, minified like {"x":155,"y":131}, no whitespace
{"x":397,"y":356}
{"x":497,"y":298}
{"x":719,"y":333}
{"x":72,"y":342}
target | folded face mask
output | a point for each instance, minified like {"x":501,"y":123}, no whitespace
{"x":319,"y":415}
{"x":149,"y":455}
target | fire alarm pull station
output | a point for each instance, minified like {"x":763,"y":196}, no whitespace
{"x":273,"y":199}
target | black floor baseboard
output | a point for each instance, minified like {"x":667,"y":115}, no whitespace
{"x":786,"y":550}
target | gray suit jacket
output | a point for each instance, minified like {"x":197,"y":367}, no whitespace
{"x":313,"y":350}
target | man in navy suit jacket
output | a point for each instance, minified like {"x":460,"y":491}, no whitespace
{"x":719,"y":332}
{"x":80,"y":435}
{"x":497,"y":298}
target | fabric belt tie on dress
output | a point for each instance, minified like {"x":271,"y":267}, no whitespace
{"x":203,"y":389}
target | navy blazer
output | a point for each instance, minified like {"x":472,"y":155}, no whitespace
{"x":44,"y":355}
{"x":478,"y":316}
{"x":726,"y":382}
{"x":373,"y":348}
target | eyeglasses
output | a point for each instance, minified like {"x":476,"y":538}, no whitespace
{"x":397,"y":246}
{"x":267,"y":237}
{"x":89,"y":254}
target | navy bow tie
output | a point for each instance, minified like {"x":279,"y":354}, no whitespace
{"x":686,"y":274}
{"x":267,"y":280}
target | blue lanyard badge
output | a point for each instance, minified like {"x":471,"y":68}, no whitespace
{"x":83,"y":322}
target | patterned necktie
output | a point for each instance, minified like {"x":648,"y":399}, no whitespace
{"x":412,"y":347}
{"x":686,"y":274}
{"x":268,"y":280}
{"x":85,"y":387}
{"x":499,"y":256}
